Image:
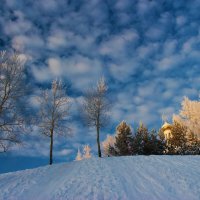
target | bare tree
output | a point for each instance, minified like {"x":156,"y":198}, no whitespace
{"x":12,"y":90}
{"x":96,"y":108}
{"x":54,"y":111}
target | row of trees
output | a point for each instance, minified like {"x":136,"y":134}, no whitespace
{"x":124,"y":142}
{"x":14,"y":118}
{"x":54,"y":106}
{"x":145,"y":142}
{"x":53,"y":114}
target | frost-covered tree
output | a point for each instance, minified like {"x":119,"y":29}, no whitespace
{"x":108,"y":145}
{"x":54,"y":112}
{"x":96,"y":108}
{"x":86,"y":152}
{"x":79,"y":155}
{"x":123,"y":139}
{"x":12,"y":91}
{"x":183,"y":141}
{"x":189,"y":115}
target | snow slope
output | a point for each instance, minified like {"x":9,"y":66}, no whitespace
{"x":138,"y":177}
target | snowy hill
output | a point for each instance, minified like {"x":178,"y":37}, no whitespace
{"x":138,"y":177}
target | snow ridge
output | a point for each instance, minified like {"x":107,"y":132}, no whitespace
{"x":131,"y":177}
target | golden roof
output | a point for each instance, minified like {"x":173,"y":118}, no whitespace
{"x":166,"y":126}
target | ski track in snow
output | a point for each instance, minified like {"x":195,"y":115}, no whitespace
{"x":137,"y":177}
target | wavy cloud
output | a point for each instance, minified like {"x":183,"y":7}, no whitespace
{"x":147,"y":49}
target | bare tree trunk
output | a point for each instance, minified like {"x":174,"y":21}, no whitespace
{"x":98,"y":143}
{"x":51,"y":149}
{"x":54,"y":108}
{"x":96,"y":109}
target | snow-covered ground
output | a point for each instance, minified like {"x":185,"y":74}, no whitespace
{"x":138,"y":177}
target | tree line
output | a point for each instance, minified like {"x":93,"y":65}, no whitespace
{"x":54,"y":111}
{"x":54,"y":106}
{"x":145,"y":142}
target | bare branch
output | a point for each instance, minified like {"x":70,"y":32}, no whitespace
{"x":54,"y":110}
{"x":96,"y":108}
{"x":12,"y":89}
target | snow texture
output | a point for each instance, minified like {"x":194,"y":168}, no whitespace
{"x":137,"y":177}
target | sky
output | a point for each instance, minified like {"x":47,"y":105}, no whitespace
{"x":147,"y":50}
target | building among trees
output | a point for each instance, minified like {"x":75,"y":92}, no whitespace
{"x":167,"y":131}
{"x":179,"y":139}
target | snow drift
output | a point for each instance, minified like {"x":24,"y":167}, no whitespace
{"x":137,"y":177}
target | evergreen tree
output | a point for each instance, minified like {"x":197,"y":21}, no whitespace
{"x":147,"y":143}
{"x":191,"y":138}
{"x":155,"y":145}
{"x":177,"y":144}
{"x":112,"y":151}
{"x":138,"y":140}
{"x":193,"y":144}
{"x":108,"y":145}
{"x":161,"y":134}
{"x":123,"y":140}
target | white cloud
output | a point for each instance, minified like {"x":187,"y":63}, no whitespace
{"x":64,"y":152}
{"x":41,"y":74}
{"x":56,"y":41}
{"x":17,"y":27}
{"x":76,"y":69}
{"x":181,"y":20}
{"x":22,"y":42}
{"x":48,"y":5}
{"x":167,"y":112}
{"x":169,"y":47}
{"x":116,"y":45}
{"x":170,"y":62}
{"x":155,"y":33}
{"x":54,"y":66}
